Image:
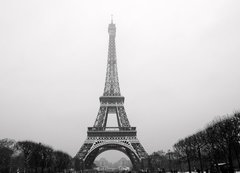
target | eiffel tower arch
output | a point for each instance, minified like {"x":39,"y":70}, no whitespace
{"x":100,"y":137}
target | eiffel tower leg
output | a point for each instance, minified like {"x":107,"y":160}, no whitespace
{"x":133,"y":159}
{"x":142,"y":154}
{"x":79,"y":158}
{"x":78,"y":164}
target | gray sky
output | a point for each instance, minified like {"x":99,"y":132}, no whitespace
{"x":178,"y":64}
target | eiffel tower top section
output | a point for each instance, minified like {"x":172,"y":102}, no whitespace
{"x":111,"y":83}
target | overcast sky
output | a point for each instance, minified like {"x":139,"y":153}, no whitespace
{"x":178,"y":65}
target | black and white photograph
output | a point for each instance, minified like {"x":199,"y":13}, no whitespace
{"x":120,"y":86}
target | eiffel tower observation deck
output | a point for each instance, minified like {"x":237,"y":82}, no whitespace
{"x":100,"y":137}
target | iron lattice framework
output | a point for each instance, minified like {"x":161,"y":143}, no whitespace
{"x":101,"y":138}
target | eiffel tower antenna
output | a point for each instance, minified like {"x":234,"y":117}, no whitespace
{"x":101,"y":138}
{"x":111,"y":18}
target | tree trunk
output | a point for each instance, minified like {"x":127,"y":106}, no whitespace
{"x":180,"y":165}
{"x":237,"y":155}
{"x":200,"y":159}
{"x":214,"y":158}
{"x":189,"y":164}
{"x":230,"y":158}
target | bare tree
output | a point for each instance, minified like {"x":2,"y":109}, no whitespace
{"x":62,"y":161}
{"x":185,"y":150}
{"x":36,"y":155}
{"x":197,"y":142}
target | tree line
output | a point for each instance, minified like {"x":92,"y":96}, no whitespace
{"x":216,"y":148}
{"x":31,"y":157}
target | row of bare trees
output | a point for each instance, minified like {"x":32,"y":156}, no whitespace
{"x":28,"y":156}
{"x":215,"y":148}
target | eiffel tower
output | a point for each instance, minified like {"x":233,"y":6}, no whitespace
{"x":101,"y":138}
